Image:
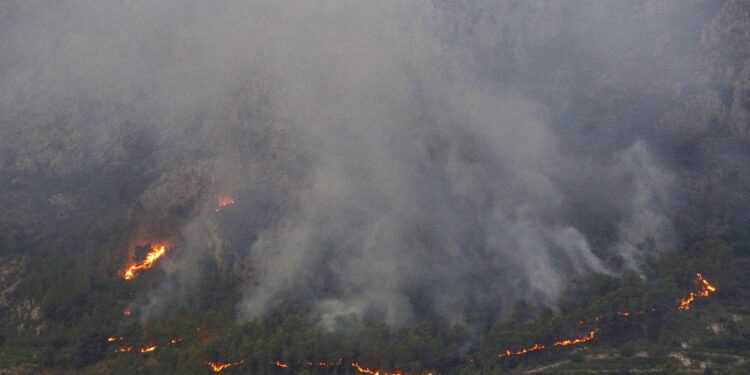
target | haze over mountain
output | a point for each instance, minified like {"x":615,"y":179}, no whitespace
{"x":356,"y":163}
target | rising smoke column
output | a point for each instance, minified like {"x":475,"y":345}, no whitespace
{"x":388,"y":160}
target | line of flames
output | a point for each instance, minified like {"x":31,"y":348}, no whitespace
{"x":126,"y":348}
{"x":371,"y":371}
{"x":338,"y":362}
{"x":130,"y":348}
{"x":157,"y":251}
{"x":706,"y":289}
{"x":223,"y":202}
{"x":565,"y":342}
{"x":359,"y":367}
{"x":221,"y":366}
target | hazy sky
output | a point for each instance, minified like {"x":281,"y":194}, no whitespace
{"x":389,"y":159}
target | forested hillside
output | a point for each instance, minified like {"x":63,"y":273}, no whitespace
{"x":440,"y":187}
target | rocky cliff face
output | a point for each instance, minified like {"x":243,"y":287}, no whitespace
{"x":726,"y":42}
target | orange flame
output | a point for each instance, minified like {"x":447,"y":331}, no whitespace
{"x":223,"y":202}
{"x":157,"y":251}
{"x":366,"y":370}
{"x":576,"y":340}
{"x":148,"y":348}
{"x":533,"y":348}
{"x":324,"y":363}
{"x":280,"y":364}
{"x":220,"y":366}
{"x":706,"y":290}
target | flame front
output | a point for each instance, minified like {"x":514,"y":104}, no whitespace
{"x":223,"y":202}
{"x":280,"y":364}
{"x":706,"y":290}
{"x":366,"y":370}
{"x":325,"y":363}
{"x":157,"y":251}
{"x":576,"y":340}
{"x":533,"y":348}
{"x":124,"y":349}
{"x":148,"y":348}
{"x":221,"y":366}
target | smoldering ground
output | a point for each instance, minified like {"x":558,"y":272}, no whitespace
{"x":389,"y":159}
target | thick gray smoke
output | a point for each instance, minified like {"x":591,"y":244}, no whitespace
{"x":388,"y":159}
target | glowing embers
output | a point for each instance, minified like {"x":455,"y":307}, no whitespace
{"x":221,"y":366}
{"x":223,"y":202}
{"x":320,"y":364}
{"x":577,"y":340}
{"x":125,"y":348}
{"x":335,"y":363}
{"x":157,"y":251}
{"x":148,"y":348}
{"x":536,"y":347}
{"x":706,"y":290}
{"x":366,"y":370}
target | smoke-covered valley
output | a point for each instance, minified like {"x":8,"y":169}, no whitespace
{"x":385,"y":161}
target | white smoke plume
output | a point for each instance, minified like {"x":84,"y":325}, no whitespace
{"x":389,"y":159}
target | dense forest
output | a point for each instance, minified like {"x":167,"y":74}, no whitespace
{"x":440,"y":187}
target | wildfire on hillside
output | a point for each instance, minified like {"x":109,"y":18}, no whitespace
{"x":577,"y":340}
{"x":157,"y":251}
{"x":706,"y":289}
{"x":221,"y":366}
{"x":280,"y":364}
{"x":124,"y":349}
{"x":366,"y":370}
{"x":565,"y":342}
{"x":223,"y":202}
{"x":337,"y":362}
